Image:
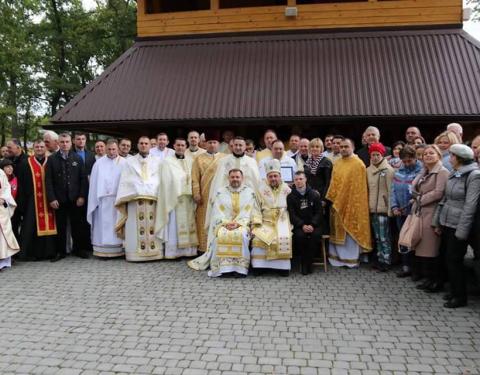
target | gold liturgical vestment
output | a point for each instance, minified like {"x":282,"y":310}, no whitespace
{"x":274,"y":235}
{"x":348,"y":193}
{"x":203,"y":171}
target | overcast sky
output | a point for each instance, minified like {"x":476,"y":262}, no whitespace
{"x":472,"y":27}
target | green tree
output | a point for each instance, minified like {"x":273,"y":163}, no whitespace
{"x":51,"y":49}
{"x":117,"y":28}
{"x":18,"y":62}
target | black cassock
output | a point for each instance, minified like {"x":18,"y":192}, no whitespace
{"x":32,"y":246}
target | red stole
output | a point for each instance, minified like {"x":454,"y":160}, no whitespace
{"x":44,"y":214}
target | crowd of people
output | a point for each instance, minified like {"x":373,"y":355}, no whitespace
{"x":230,"y":207}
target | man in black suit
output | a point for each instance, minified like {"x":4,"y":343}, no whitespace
{"x":67,"y":187}
{"x":87,"y":156}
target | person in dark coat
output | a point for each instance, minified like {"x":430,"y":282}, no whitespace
{"x":454,"y":218}
{"x":89,"y":159}
{"x":87,"y":156}
{"x":16,"y":154}
{"x":67,"y":189}
{"x":371,"y":135}
{"x":318,"y":170}
{"x":474,"y":239}
{"x":306,"y":215}
{"x":38,"y":238}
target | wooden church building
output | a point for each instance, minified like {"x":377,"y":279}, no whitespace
{"x":315,"y":66}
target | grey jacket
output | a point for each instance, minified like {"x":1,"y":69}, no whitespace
{"x":458,"y":207}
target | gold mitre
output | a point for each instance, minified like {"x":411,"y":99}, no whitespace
{"x":273,"y":166}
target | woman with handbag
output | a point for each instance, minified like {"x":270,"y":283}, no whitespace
{"x":454,"y":219}
{"x":400,"y":200}
{"x":418,"y":232}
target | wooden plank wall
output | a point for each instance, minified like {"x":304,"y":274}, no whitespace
{"x":371,"y":13}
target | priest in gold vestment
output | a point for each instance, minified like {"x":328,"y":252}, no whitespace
{"x":136,"y":202}
{"x":175,"y":218}
{"x":234,"y":211}
{"x":272,"y":241}
{"x":236,"y":160}
{"x":350,"y":234}
{"x":203,"y":170}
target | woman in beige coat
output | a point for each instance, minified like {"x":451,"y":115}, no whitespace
{"x":427,"y":191}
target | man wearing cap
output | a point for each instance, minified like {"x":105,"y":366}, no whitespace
{"x":272,"y":242}
{"x":175,"y":218}
{"x":203,"y":170}
{"x":379,"y":176}
{"x":234,"y":210}
{"x":349,"y":220}
{"x":455,"y":217}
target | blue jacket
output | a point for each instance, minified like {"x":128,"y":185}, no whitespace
{"x":401,"y":191}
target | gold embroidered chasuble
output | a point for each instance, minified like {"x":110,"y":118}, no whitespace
{"x":136,"y":202}
{"x":230,"y":206}
{"x":251,"y":177}
{"x":348,"y":193}
{"x":274,"y":235}
{"x":175,"y":193}
{"x":203,"y":171}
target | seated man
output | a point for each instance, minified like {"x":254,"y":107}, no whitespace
{"x":229,"y":230}
{"x":306,"y":213}
{"x":272,"y":242}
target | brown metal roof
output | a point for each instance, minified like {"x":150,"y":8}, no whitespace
{"x":389,"y":73}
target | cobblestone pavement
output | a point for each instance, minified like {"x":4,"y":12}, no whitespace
{"x":110,"y":317}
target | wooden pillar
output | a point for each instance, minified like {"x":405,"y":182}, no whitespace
{"x":141,"y":7}
{"x":214,"y":4}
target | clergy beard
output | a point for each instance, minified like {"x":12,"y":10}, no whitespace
{"x":239,"y":155}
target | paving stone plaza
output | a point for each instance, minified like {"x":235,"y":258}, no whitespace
{"x":111,"y":317}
